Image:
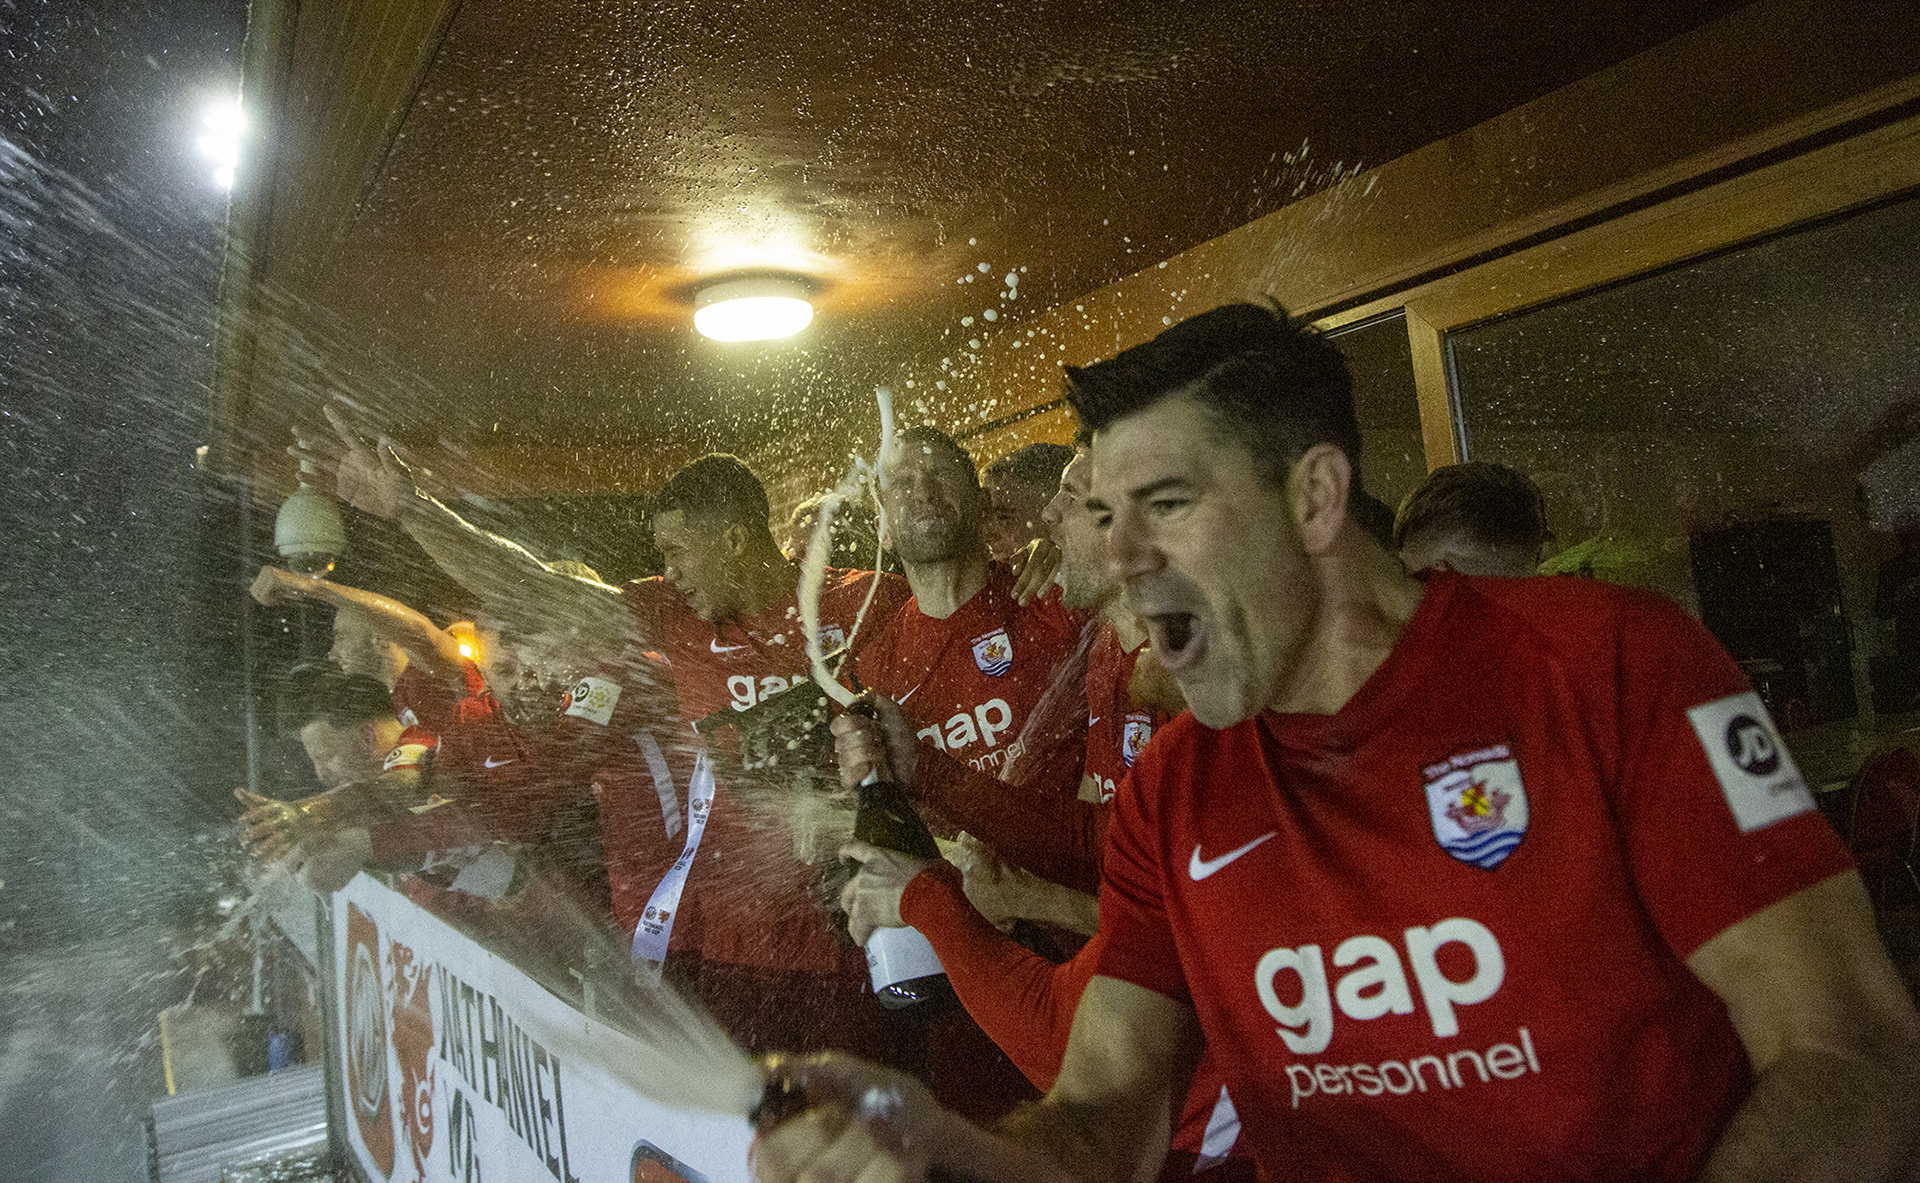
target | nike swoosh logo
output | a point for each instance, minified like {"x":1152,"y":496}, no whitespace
{"x":490,"y":762}
{"x":1199,"y":868}
{"x":717,"y":647}
{"x":909,"y":694}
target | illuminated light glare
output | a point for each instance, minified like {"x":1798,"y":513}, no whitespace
{"x":224,"y":124}
{"x":752,"y":309}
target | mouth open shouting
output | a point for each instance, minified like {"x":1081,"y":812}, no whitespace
{"x":1178,"y":640}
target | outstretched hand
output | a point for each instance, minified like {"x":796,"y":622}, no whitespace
{"x":372,"y":476}
{"x":862,"y":1122}
{"x":274,"y":585}
{"x":1034,"y":567}
{"x":269,"y":829}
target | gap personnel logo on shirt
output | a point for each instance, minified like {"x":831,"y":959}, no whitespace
{"x":593,"y":699}
{"x":1477,"y":805}
{"x":1138,"y":731}
{"x":993,"y":653}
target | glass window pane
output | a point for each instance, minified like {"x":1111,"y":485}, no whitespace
{"x":1710,"y":432}
{"x":1392,"y":457}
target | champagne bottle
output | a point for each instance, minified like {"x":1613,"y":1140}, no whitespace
{"x":902,"y":964}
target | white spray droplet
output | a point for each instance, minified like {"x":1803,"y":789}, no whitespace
{"x":990,"y":314}
{"x":984,"y":268}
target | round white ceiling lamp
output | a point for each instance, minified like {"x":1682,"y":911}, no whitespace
{"x":752,"y":308}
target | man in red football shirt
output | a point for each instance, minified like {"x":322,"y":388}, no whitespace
{"x":989,"y":685}
{"x":1469,"y":878}
{"x":1020,"y":999}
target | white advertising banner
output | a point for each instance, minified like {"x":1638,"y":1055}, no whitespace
{"x":445,"y":1075}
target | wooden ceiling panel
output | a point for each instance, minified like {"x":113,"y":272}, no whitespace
{"x":521,"y":265}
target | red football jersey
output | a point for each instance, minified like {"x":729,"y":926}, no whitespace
{"x":1442,"y":933}
{"x":420,"y":700}
{"x":639,"y":779}
{"x":501,"y":783}
{"x":1117,"y":727}
{"x":995,"y":686}
{"x":760,"y":915}
{"x":1054,"y":834}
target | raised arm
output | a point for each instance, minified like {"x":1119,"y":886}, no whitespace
{"x":513,"y":582}
{"x":427,"y":644}
{"x":1832,"y":1036}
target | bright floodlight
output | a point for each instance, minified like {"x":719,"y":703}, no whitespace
{"x":220,"y":143}
{"x":758,"y":309}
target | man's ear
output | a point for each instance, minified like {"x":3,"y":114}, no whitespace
{"x":734,"y":539}
{"x":1317,"y":490}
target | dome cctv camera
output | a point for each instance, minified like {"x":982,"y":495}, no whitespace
{"x":308,"y":532}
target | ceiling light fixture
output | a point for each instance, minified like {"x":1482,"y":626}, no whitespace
{"x":753,"y":308}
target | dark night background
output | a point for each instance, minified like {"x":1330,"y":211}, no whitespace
{"x":121,"y":569}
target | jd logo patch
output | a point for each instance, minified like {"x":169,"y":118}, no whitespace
{"x":1756,"y":774}
{"x":1477,"y":805}
{"x":593,"y":699}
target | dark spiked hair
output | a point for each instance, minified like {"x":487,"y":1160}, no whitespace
{"x":717,"y":487}
{"x":1037,"y":465}
{"x":1268,"y":382}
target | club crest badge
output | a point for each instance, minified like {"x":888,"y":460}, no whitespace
{"x":833,"y":639}
{"x":1477,"y":804}
{"x":1138,"y":731}
{"x":593,"y":699}
{"x":993,"y":653}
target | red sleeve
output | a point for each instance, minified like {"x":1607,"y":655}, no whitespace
{"x":1049,"y":832}
{"x":1023,"y":1002}
{"x":1139,"y":945}
{"x":1717,"y":820}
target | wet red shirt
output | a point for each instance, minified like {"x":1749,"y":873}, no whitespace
{"x":1442,"y":932}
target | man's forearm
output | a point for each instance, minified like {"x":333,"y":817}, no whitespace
{"x":1054,"y":835}
{"x":509,"y":578}
{"x":1074,"y":1143}
{"x":424,"y":641}
{"x":1819,"y":1114}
